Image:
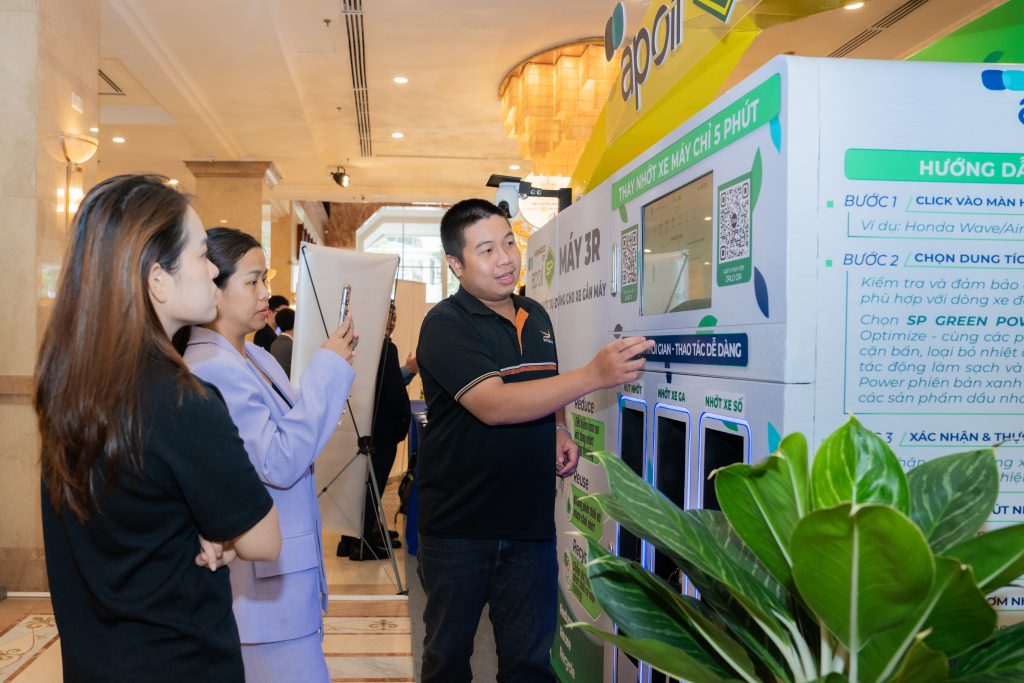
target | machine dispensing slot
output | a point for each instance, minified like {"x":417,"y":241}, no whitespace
{"x":720,"y":449}
{"x":670,"y":479}
{"x":631,"y":450}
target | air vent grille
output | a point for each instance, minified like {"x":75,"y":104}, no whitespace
{"x":875,"y":29}
{"x":899,"y":13}
{"x":111,"y":88}
{"x":353,"y":12}
{"x":855,"y":42}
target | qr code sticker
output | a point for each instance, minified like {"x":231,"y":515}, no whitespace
{"x":734,"y":222}
{"x":629,"y":251}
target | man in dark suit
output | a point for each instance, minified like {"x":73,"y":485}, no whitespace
{"x":266,"y":336}
{"x":390,"y":427}
{"x":281,"y":349}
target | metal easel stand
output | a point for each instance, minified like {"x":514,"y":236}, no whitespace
{"x":366,"y":448}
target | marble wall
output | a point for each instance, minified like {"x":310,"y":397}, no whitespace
{"x":49,"y":49}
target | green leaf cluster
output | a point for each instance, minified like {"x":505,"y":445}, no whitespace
{"x":847,"y":569}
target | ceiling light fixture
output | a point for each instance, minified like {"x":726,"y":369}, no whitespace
{"x":513,"y":167}
{"x":854,"y":5}
{"x":401,"y":80}
{"x":172,"y":181}
{"x":551,"y":101}
{"x":94,"y":129}
{"x":397,"y":135}
{"x":341,"y":178}
{"x":118,"y":139}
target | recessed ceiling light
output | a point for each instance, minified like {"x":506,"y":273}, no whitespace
{"x":94,"y":129}
{"x":401,"y":80}
{"x":398,"y":136}
{"x":172,"y":181}
{"x":223,"y":220}
{"x":647,"y":251}
{"x":854,"y":5}
{"x":513,"y":167}
{"x":707,"y":218}
{"x":118,"y":139}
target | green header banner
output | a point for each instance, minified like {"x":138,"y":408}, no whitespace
{"x":748,"y":113}
{"x":935,"y":167}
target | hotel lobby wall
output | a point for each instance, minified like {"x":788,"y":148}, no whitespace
{"x":49,"y":49}
{"x":282,"y":253}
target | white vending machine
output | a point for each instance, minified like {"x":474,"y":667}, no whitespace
{"x":829,"y":237}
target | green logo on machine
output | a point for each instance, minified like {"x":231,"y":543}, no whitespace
{"x":549,"y":266}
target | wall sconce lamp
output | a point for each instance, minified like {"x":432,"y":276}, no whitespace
{"x":73,"y":149}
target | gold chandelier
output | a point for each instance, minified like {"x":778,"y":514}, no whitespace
{"x":551,"y":101}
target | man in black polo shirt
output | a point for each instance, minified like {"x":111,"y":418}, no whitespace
{"x":495,"y":412}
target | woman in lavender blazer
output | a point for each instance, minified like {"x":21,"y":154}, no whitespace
{"x":278,"y":605}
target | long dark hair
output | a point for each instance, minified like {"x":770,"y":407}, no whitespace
{"x":90,"y":368}
{"x":225,"y":247}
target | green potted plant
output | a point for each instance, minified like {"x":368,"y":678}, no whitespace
{"x":845,"y":570}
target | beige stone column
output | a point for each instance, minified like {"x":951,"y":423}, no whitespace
{"x":49,"y":50}
{"x":282,"y":253}
{"x":230,"y":193}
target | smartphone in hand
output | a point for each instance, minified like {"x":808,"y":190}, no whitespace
{"x":346,"y":298}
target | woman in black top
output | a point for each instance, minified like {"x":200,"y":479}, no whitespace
{"x":146,"y":487}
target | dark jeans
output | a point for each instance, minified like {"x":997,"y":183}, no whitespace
{"x":518,"y":582}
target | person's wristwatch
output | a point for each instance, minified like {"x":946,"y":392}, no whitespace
{"x":561,"y":425}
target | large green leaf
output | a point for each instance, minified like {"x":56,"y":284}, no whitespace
{"x":861,"y":569}
{"x":853,"y":465}
{"x":996,"y":556}
{"x":701,"y":538}
{"x":952,"y":496}
{"x":922,"y":665}
{"x":962,"y":617}
{"x":660,"y":655}
{"x":999,"y":659}
{"x":716,"y":598}
{"x":647,"y":608}
{"x":764,"y":502}
{"x":953,"y":618}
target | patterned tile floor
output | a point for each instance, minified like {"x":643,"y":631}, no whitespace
{"x":365,"y":639}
